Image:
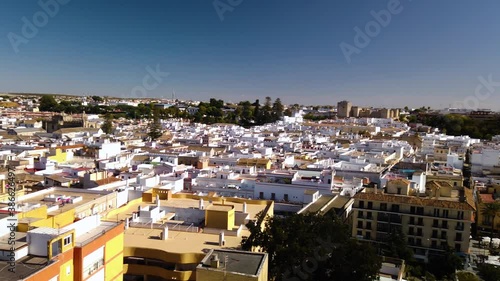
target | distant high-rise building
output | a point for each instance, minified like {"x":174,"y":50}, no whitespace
{"x":355,"y":111}
{"x":344,"y":109}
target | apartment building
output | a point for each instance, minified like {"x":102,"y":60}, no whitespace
{"x":87,"y":250}
{"x":167,"y":236}
{"x":433,"y":221}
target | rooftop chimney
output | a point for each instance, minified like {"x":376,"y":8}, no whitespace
{"x":127,"y":223}
{"x":164,"y":233}
{"x":157,"y":200}
{"x":221,"y":239}
{"x":214,"y":261}
{"x":201,"y":206}
{"x":244,"y":207}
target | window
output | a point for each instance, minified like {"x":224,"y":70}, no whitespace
{"x":361,"y":204}
{"x":436,"y":212}
{"x":434,"y":244}
{"x":412,"y":209}
{"x":434,"y":233}
{"x":360,"y":214}
{"x":411,"y":241}
{"x":443,"y":234}
{"x":412,"y":220}
{"x":360,"y":224}
{"x":261,"y":195}
{"x":435,"y":223}
{"x":273,"y":196}
{"x":369,"y":215}
{"x":285,"y":197}
{"x":444,"y":224}
{"x":383,"y":206}
{"x":67,"y":240}
{"x":419,"y":242}
{"x":399,"y":190}
{"x":420,"y":221}
{"x":368,"y":235}
{"x":445,"y":213}
{"x":368,"y":225}
{"x":419,"y":231}
{"x":420,"y":210}
{"x":458,"y":248}
{"x":410,"y":232}
{"x":370,"y":205}
{"x":395,"y":208}
{"x":460,"y":215}
{"x":458,"y":237}
{"x":359,"y":233}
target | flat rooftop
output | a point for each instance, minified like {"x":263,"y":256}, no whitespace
{"x":39,"y":199}
{"x":25,"y":267}
{"x":178,"y":241}
{"x":236,"y":261}
{"x":181,"y":241}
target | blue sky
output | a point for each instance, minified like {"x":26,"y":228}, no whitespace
{"x":431,"y":52}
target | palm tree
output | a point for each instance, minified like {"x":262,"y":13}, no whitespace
{"x":491,"y":210}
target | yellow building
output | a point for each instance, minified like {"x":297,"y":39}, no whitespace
{"x":260,"y":163}
{"x":433,"y":221}
{"x":86,"y":250}
{"x":168,"y":235}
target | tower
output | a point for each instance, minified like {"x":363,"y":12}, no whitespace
{"x":344,"y":109}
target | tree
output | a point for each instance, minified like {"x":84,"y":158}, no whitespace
{"x":491,"y":211}
{"x":107,"y":126}
{"x":467,"y":276}
{"x":445,"y":266}
{"x":48,"y":103}
{"x":155,"y":130}
{"x":397,"y":245}
{"x":312,"y":247}
{"x":489,"y":272}
{"x":278,"y":108}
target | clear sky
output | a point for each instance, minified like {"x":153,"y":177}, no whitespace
{"x":430,"y":53}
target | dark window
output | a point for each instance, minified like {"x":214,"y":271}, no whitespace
{"x":435,"y":223}
{"x":458,"y":248}
{"x":420,"y":210}
{"x":360,"y":214}
{"x":412,"y":220}
{"x":434,"y":233}
{"x":369,"y":215}
{"x":361,"y":204}
{"x":419,"y":231}
{"x":412,"y":209}
{"x":445,"y":213}
{"x":360,"y":224}
{"x":444,"y":224}
{"x":420,"y":221}
{"x":368,"y":225}
{"x":434,"y":244}
{"x":261,"y":195}
{"x":383,"y":206}
{"x":419,"y":242}
{"x":359,"y":232}
{"x":436,"y":212}
{"x":370,"y":205}
{"x":443,"y":235}
{"x":395,"y":208}
{"x":273,"y":196}
{"x":458,"y":237}
{"x":410,"y":232}
{"x":368,"y":235}
{"x":285,"y":197}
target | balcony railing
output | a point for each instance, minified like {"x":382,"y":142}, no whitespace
{"x":89,"y":270}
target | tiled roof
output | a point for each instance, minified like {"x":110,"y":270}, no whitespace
{"x":416,"y":201}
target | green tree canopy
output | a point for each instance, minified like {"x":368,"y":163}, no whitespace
{"x":312,"y":247}
{"x":48,"y":103}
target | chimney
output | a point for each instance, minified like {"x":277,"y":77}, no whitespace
{"x":214,"y":261}
{"x":157,"y":200}
{"x":221,"y":239}
{"x":127,"y":223}
{"x":201,"y":206}
{"x":375,"y":188}
{"x":164,"y":233}
{"x":244,"y":207}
